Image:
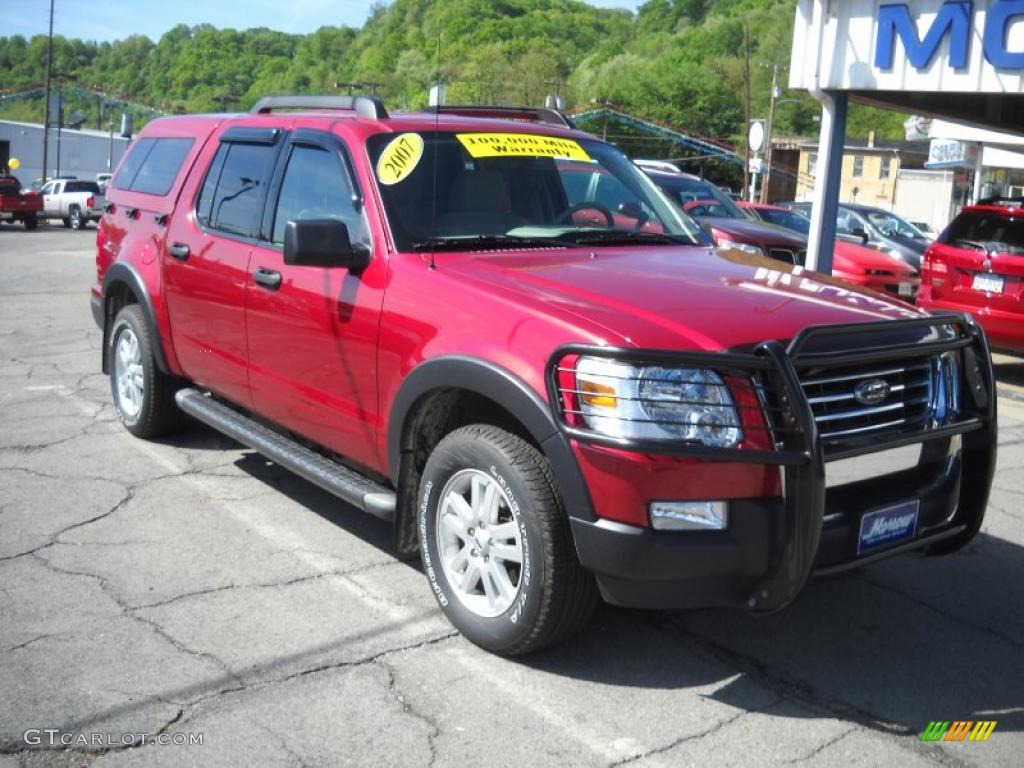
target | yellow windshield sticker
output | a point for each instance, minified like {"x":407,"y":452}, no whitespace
{"x":521,"y":145}
{"x":399,"y":158}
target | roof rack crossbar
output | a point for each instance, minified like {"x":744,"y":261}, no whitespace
{"x":364,"y":106}
{"x":542,"y":114}
{"x":1014,"y":202}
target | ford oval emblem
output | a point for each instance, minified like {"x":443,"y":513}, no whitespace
{"x":871,"y":392}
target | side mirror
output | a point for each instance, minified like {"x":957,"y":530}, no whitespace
{"x":323,"y":243}
{"x":861,"y":233}
{"x":632,"y":209}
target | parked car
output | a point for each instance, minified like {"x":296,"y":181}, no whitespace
{"x":977,"y":266}
{"x":19,"y":205}
{"x":74,"y":202}
{"x":877,"y":228}
{"x":851,"y":262}
{"x":924,"y":228}
{"x":432,"y":317}
{"x":726,"y":222}
{"x":102,"y":180}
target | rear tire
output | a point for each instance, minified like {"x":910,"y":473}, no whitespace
{"x":496,"y":545}
{"x":143,"y":394}
{"x":31,"y":223}
{"x":75,"y":219}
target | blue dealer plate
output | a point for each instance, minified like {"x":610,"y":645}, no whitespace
{"x":885,"y":527}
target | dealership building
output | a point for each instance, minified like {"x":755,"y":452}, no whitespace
{"x":71,"y":151}
{"x":958,"y":62}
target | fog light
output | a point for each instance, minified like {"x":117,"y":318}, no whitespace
{"x":689,"y":515}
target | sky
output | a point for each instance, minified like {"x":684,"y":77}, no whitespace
{"x":116,"y":19}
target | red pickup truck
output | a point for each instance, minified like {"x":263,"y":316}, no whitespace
{"x":16,"y":205}
{"x":556,"y":389}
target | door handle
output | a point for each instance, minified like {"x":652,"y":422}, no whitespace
{"x":178,"y":250}
{"x":268,"y":278}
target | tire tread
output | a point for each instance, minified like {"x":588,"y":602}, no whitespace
{"x":569,"y":604}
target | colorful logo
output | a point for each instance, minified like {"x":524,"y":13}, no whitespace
{"x":959,"y":730}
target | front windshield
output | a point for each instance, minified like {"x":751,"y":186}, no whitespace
{"x":889,"y":224}
{"x":787,"y":219}
{"x":699,"y":197}
{"x":444,"y":189}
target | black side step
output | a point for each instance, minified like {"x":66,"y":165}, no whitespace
{"x":334,"y":478}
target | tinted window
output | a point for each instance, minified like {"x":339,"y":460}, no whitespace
{"x":993,"y":231}
{"x":684,"y":191}
{"x":315,"y":186}
{"x":9,"y":185}
{"x":136,"y":156}
{"x":82,"y":186}
{"x":232,"y":196}
{"x":152,"y":165}
{"x":787,"y":219}
{"x":158,"y":172}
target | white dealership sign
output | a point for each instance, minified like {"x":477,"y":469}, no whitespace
{"x":967,"y":46}
{"x":950,"y":153}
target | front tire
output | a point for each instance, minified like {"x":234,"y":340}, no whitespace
{"x":496,"y":544}
{"x":143,"y":394}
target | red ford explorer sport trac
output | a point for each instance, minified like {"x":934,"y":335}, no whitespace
{"x":550,"y":382}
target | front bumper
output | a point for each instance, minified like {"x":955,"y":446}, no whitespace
{"x":774,"y":545}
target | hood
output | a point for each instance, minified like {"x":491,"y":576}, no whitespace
{"x":755,"y":232}
{"x":672,"y":297}
{"x":857,"y":259}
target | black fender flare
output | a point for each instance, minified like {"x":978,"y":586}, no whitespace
{"x":508,"y":391}
{"x":121,"y":272}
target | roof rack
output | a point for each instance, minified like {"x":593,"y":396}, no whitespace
{"x":364,"y":106}
{"x":1003,"y":202}
{"x":528,"y":114}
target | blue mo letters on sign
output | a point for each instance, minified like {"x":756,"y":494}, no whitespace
{"x":953,"y":20}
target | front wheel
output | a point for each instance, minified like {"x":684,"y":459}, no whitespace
{"x":496,"y":544}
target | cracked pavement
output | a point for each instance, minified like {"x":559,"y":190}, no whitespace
{"x":188,"y":586}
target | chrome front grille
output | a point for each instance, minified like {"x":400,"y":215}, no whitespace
{"x":839,"y":412}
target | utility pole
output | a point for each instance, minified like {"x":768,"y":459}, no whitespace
{"x":747,"y":110}
{"x":46,"y":109}
{"x":60,"y":116}
{"x":771,"y":135}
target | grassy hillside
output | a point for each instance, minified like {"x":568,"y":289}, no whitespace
{"x":680,"y":61}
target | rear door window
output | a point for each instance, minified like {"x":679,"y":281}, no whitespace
{"x":152,"y":165}
{"x":231,"y":199}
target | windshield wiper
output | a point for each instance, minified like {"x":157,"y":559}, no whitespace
{"x":626,"y":237}
{"x":976,"y":245}
{"x":483,"y":242}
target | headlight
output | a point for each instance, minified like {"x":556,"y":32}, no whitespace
{"x":753,"y":250}
{"x":656,"y":403}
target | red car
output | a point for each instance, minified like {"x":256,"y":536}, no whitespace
{"x":549,"y":383}
{"x":977,"y":266}
{"x":857,"y":264}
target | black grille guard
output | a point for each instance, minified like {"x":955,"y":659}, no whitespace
{"x":799,"y":450}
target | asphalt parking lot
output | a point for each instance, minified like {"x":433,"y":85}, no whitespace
{"x":188,"y":588}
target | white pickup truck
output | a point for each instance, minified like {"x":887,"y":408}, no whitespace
{"x":74,"y":202}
